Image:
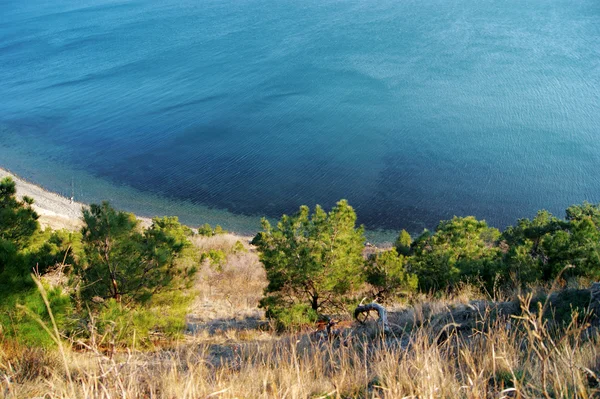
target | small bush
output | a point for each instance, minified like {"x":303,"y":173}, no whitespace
{"x":238,"y":247}
{"x":207,"y":231}
{"x":215,"y":257}
{"x":563,"y":305}
{"x":135,"y":326}
{"x":294,"y":317}
{"x":19,"y":314}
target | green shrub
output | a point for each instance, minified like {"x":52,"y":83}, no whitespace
{"x":562,"y":305}
{"x":462,"y":249}
{"x":163,"y":317}
{"x":290,"y":318}
{"x":387,"y":273}
{"x":207,"y":231}
{"x":215,"y":257}
{"x":403,"y":243}
{"x":50,"y":248}
{"x":311,"y":259}
{"x":239,"y":247}
{"x":19,"y":314}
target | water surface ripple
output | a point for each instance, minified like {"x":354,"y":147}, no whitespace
{"x":414,"y":111}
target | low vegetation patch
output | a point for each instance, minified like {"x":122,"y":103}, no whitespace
{"x":122,"y":310}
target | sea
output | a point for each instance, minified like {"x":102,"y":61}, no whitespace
{"x":225,"y":111}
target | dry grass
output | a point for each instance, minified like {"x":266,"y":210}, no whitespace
{"x":228,"y":293}
{"x":456,"y":346}
{"x":522,"y":359}
{"x":58,"y":222}
{"x":223,"y":242}
{"x":496,"y":363}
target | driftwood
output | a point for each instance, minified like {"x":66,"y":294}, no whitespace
{"x":381,"y":311}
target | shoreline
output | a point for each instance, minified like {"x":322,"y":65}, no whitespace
{"x":55,"y":210}
{"x":59,"y":212}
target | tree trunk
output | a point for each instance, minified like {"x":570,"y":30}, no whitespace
{"x":315,"y":302}
{"x":115,"y":288}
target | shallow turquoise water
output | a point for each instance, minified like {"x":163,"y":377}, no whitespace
{"x":223,"y":111}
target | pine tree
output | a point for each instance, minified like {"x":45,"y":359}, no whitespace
{"x":314,"y":260}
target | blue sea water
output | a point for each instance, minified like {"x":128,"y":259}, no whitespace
{"x":226,"y":110}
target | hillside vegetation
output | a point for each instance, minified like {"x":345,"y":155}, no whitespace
{"x":165,"y":311}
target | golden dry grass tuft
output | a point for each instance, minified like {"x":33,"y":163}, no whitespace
{"x":522,"y":358}
{"x":454,"y":346}
{"x":228,"y":292}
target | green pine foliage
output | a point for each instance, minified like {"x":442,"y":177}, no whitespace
{"x":311,"y":259}
{"x":460,"y":249}
{"x":207,"y":231}
{"x":25,"y":249}
{"x":126,"y":263}
{"x":387,"y":273}
{"x":51,"y":248}
{"x":135,"y":282}
{"x":18,"y":220}
{"x":18,"y":224}
{"x":403,"y":243}
{"x":539,"y":249}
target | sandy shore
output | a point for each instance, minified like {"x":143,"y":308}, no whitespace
{"x":59,"y":212}
{"x":55,"y":211}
